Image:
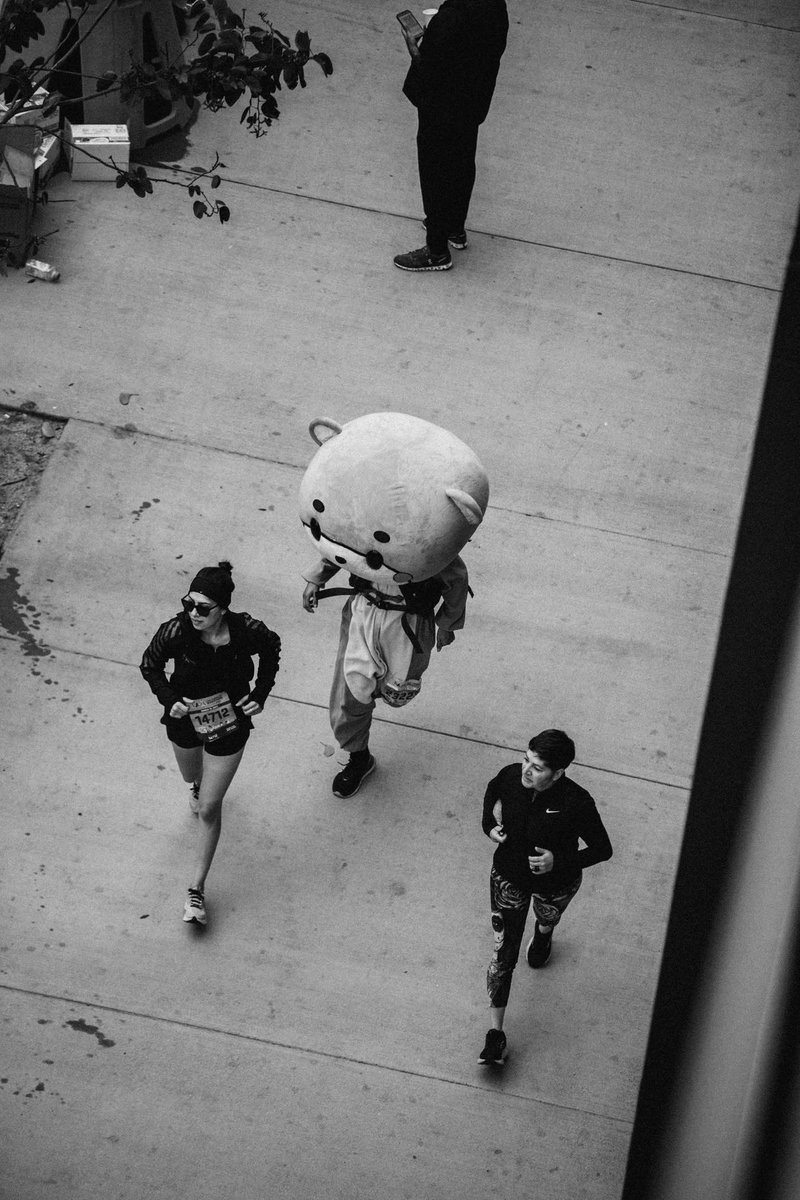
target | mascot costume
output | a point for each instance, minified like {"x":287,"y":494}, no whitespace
{"x":392,"y":499}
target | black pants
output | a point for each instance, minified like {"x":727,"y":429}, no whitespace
{"x":509,"y":914}
{"x":446,"y":145}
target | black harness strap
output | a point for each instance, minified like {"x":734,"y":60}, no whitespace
{"x":372,"y":599}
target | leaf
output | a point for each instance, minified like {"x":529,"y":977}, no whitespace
{"x":324,"y":62}
{"x":121,"y":179}
{"x":224,"y":213}
{"x":199,"y":209}
{"x":208,"y":41}
{"x":106,"y":80}
{"x":303,"y":42}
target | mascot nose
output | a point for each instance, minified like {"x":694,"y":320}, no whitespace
{"x":374,"y":560}
{"x":316,"y":532}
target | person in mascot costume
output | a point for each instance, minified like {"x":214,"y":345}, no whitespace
{"x":392,"y":499}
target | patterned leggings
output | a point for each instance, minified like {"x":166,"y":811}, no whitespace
{"x":509,"y":914}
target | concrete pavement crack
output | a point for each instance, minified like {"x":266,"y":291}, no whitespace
{"x":306,"y":1051}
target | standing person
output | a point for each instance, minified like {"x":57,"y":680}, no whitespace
{"x":208,"y":701}
{"x":451,"y":82}
{"x":535,"y":815}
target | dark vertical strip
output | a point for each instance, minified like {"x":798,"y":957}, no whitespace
{"x":757,"y":612}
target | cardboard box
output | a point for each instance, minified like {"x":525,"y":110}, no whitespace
{"x":105,"y":142}
{"x":17,"y":170}
{"x":47,"y":158}
{"x":17,"y":189}
{"x":31,"y":114}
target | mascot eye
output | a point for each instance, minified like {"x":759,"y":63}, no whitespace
{"x":380,"y":536}
{"x":318,"y":506}
{"x":316,"y":532}
{"x":374,"y":560}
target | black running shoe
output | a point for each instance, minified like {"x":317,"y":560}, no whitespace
{"x":348,"y":781}
{"x":539,"y":947}
{"x":423,"y":260}
{"x":495,"y":1049}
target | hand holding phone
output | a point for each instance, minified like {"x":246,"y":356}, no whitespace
{"x":409,"y":24}
{"x":412,"y":31}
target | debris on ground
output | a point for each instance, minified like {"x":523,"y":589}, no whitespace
{"x":26,"y":444}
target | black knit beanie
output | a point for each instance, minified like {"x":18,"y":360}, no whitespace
{"x":214,"y":582}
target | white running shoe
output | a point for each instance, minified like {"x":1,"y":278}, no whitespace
{"x":195,"y":909}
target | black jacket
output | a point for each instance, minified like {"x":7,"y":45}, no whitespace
{"x":202,"y":670}
{"x":459,"y":59}
{"x":552,"y":820}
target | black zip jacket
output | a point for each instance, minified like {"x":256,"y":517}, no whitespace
{"x":459,"y":58}
{"x":552,"y":820}
{"x":202,"y":670}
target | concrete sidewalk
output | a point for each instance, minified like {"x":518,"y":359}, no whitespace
{"x":602,"y":346}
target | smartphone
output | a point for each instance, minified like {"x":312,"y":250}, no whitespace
{"x":409,"y":23}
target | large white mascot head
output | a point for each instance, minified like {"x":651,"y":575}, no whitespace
{"x":391,"y":497}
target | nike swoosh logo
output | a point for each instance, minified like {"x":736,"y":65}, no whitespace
{"x":552,"y":810}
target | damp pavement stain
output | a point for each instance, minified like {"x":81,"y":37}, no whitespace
{"x":81,"y":1026}
{"x":143,"y":507}
{"x":19,"y":618}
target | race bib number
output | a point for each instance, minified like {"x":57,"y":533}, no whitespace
{"x":213,"y":716}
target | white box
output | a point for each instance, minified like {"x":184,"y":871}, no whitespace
{"x":105,"y":142}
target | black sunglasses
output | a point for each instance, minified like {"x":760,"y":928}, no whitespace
{"x":202,"y":610}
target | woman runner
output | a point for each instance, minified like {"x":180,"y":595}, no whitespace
{"x":208,"y":701}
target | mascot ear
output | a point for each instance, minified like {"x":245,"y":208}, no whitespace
{"x":324,"y":423}
{"x":469,"y":508}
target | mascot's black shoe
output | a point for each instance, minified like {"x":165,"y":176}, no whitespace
{"x":348,"y":781}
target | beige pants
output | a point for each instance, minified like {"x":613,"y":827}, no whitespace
{"x":375,"y":653}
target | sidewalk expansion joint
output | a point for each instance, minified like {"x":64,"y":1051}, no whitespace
{"x":445,"y":733}
{"x":709,"y":16}
{"x":775,"y":289}
{"x":307,"y":1052}
{"x":622,"y":533}
{"x":172,"y":439}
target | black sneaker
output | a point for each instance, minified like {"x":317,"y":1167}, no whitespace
{"x":494,"y":1050}
{"x":423,"y":260}
{"x":348,"y":781}
{"x":539,"y":947}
